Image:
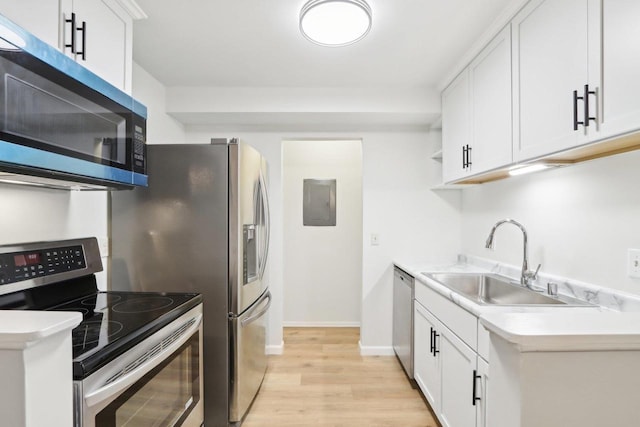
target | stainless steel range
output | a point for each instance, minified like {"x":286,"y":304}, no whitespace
{"x":136,"y":355}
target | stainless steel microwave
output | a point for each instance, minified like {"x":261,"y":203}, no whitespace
{"x":60,"y":124}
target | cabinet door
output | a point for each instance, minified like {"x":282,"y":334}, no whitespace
{"x":426,"y":365}
{"x":490,"y":82}
{"x":456,"y":128}
{"x":551,"y":60}
{"x":621,"y":67}
{"x":39,"y":17}
{"x":458,"y":375}
{"x":107,"y":40}
{"x":482,"y":385}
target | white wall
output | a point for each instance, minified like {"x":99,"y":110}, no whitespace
{"x":580,"y":220}
{"x":413,"y":222}
{"x":32,"y":214}
{"x":323,"y":269}
{"x":161,"y":128}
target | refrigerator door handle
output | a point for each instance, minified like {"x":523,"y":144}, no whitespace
{"x":259,"y":314}
{"x":267,"y":224}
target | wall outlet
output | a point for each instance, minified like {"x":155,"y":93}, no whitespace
{"x":375,"y":239}
{"x":633,"y":263}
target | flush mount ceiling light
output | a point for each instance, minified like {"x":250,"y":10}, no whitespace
{"x":335,"y":22}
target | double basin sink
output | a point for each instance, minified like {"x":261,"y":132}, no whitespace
{"x":493,"y":289}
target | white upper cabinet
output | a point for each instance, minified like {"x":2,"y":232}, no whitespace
{"x":476,"y":114}
{"x":490,"y":84}
{"x":36,"y":16}
{"x":573,"y":67}
{"x":101,"y":39}
{"x":456,"y":129}
{"x":100,"y":32}
{"x":554,"y":61}
{"x":621,"y":67}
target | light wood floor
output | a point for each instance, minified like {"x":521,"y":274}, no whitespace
{"x":321,"y":380}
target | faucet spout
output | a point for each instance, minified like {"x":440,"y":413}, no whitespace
{"x":527,"y":276}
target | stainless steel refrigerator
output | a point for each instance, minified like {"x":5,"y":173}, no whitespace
{"x":202,"y":225}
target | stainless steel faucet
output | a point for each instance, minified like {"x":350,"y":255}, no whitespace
{"x":527,"y":275}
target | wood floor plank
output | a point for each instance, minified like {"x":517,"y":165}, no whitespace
{"x":321,"y":380}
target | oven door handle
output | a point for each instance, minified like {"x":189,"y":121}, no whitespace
{"x":113,"y":389}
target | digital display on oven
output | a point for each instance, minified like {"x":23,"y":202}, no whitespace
{"x":27,"y":259}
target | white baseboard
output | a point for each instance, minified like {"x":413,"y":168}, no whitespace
{"x":321,"y":324}
{"x":275,"y":349}
{"x":370,"y":350}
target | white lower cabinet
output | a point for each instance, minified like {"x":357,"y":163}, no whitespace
{"x":426,"y":368}
{"x":482,"y":385}
{"x":457,"y":401}
{"x":449,"y":372}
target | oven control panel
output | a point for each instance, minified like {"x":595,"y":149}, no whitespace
{"x":26,"y":265}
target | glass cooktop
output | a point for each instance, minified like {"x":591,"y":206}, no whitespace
{"x":113,"y":322}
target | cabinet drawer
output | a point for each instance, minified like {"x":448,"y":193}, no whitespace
{"x":460,"y":321}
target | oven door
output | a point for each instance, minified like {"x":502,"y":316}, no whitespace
{"x":157,"y":383}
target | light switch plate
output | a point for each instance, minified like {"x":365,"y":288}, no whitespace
{"x":375,"y":239}
{"x":633,"y":263}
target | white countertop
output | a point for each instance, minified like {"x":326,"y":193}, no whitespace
{"x":567,"y":330}
{"x":555,"y":328}
{"x":20,"y":329}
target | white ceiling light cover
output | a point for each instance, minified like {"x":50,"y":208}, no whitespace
{"x":335,"y":22}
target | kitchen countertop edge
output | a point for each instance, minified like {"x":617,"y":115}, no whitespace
{"x":599,"y":331}
{"x":22,"y":328}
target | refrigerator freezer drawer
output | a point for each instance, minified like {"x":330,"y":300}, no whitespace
{"x":249,"y":359}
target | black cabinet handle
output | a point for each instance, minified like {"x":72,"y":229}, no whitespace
{"x":466,"y":156}
{"x":435,"y":343}
{"x":72,"y":21}
{"x":576,"y":98}
{"x":585,"y":97}
{"x":476,"y":377}
{"x":431,"y":341}
{"x":83,"y":29}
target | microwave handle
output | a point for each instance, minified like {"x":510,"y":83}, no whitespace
{"x":112,"y":390}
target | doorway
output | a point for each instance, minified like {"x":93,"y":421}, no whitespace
{"x":322,"y":268}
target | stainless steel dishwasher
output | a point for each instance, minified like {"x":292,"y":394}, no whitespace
{"x":403,"y":284}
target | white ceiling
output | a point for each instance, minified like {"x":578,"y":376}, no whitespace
{"x":256,"y":43}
